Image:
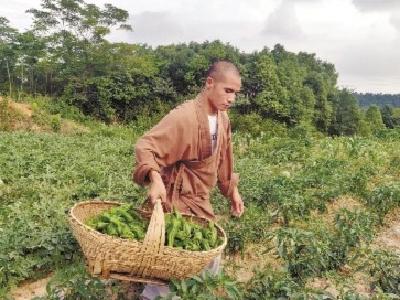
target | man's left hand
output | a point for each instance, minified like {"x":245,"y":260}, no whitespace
{"x":237,"y":205}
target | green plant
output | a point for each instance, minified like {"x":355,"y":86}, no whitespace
{"x":5,"y":122}
{"x":383,"y":198}
{"x":282,"y":193}
{"x":55,"y":122}
{"x":120,"y":221}
{"x":183,"y":233}
{"x":252,"y":227}
{"x":310,"y":251}
{"x":385,"y":271}
{"x":205,"y":287}
{"x":384,"y":296}
{"x":305,"y":253}
{"x":354,"y":226}
{"x":40,"y":182}
{"x":74,"y":283}
{"x":270,"y":285}
{"x":351,"y":295}
{"x":359,"y":181}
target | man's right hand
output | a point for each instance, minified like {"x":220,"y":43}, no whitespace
{"x":157,"y":188}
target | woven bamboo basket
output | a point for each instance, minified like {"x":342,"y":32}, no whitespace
{"x":126,"y":259}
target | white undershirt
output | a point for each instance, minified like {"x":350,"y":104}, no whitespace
{"x":212,"y":122}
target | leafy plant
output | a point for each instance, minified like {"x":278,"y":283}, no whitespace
{"x":385,"y":270}
{"x":74,"y":283}
{"x":354,"y":226}
{"x":304,"y":252}
{"x":183,"y":233}
{"x":383,"y":198}
{"x":205,"y":287}
{"x":5,"y":120}
{"x":121,"y":221}
{"x":244,"y":230}
{"x":269,"y":285}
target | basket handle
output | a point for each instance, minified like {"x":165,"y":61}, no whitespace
{"x":155,"y":236}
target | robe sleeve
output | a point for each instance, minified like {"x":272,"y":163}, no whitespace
{"x":227,"y":179}
{"x":163,"y":145}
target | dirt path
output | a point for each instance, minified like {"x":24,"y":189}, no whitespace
{"x":389,"y":235}
{"x":30,"y":289}
{"x":23,"y":108}
{"x":22,"y":119}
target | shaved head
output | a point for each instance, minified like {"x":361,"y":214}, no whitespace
{"x":221,"y":86}
{"x":219,"y":69}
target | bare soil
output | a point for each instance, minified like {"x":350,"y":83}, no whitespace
{"x":30,"y":289}
{"x":22,"y":119}
{"x":389,"y":235}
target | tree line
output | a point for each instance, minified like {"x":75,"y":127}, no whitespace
{"x":65,"y":55}
{"x":367,"y":99}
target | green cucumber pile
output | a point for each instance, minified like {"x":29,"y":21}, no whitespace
{"x":184,"y":234}
{"x":124,"y":222}
{"x":121,"y":221}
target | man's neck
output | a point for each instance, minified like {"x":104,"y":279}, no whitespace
{"x":211,"y":111}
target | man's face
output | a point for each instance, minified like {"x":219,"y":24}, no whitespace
{"x":222,"y":92}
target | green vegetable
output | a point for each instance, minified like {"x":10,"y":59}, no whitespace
{"x":182,"y":233}
{"x":122,"y":221}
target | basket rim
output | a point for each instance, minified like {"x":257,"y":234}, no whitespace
{"x":73,"y":218}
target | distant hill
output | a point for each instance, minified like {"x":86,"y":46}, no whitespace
{"x":378,"y":99}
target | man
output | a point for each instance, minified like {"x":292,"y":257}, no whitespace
{"x":190,"y":150}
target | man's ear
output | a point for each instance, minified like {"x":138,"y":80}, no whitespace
{"x":210,"y":82}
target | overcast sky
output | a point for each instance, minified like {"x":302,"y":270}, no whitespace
{"x":361,"y":37}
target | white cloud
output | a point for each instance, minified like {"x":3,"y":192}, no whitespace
{"x":395,"y":20}
{"x":15,"y":12}
{"x":283,"y":22}
{"x":377,"y":5}
{"x":153,"y":27}
{"x":390,"y":7}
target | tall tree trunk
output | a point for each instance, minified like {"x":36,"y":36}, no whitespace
{"x":45,"y":84}
{"x":32,"y":84}
{"x":22,"y":82}
{"x":9,"y":77}
{"x":51,"y":84}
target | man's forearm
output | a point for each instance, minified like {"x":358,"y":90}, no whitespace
{"x":157,"y":188}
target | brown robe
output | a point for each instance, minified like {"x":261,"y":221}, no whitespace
{"x":180,"y":148}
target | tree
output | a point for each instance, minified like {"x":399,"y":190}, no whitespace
{"x":374,"y":118}
{"x":387,"y":116}
{"x":273,"y":98}
{"x":30,"y":49}
{"x":347,"y":115}
{"x":396,"y":117}
{"x":323,"y":108}
{"x":8,"y":56}
{"x":186,"y":65}
{"x":74,"y":32}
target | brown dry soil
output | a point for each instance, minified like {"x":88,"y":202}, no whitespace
{"x":22,"y":118}
{"x":30,"y":289}
{"x":389,"y":235}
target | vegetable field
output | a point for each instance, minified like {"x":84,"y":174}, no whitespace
{"x":317,"y":211}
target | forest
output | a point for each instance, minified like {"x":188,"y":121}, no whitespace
{"x":367,"y":99}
